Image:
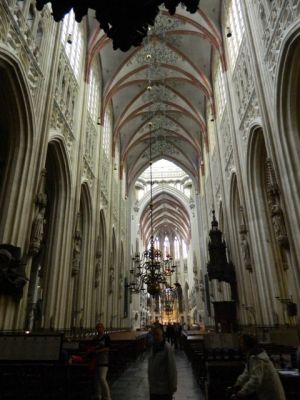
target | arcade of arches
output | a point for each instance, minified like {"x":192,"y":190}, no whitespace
{"x":218,"y":91}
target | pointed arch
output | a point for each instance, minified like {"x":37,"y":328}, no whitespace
{"x":57,"y":247}
{"x":102,"y":292}
{"x":288,"y":137}
{"x":86,"y":260}
{"x":269,"y":272}
{"x":17,"y":158}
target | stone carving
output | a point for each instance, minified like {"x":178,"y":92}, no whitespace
{"x":37,"y":232}
{"x":77,"y":248}
{"x":282,"y":15}
{"x":279,"y":225}
{"x":111,"y":279}
{"x":115,"y":197}
{"x":202,"y":287}
{"x":12,"y":271}
{"x":90,"y":139}
{"x":192,"y":206}
{"x":16,"y":34}
{"x":66,"y":93}
{"x":229,"y":166}
{"x":242,"y":219}
{"x":227,"y":148}
{"x":195,"y":265}
{"x":136,"y":206}
{"x":88,"y":173}
{"x":245,"y":250}
{"x":276,"y":212}
{"x":104,"y":181}
{"x":121,"y":279}
{"x":98,"y":266}
{"x":252,"y":112}
{"x":243,"y":79}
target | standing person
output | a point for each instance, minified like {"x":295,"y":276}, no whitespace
{"x":177,"y":335}
{"x":102,"y":354}
{"x":260,"y":376}
{"x":170,"y":333}
{"x":162,"y":373}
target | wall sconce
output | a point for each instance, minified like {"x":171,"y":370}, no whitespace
{"x":228,"y":34}
{"x":69,"y":39}
{"x":99,"y":121}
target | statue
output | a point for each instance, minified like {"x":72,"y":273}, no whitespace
{"x":246,"y":253}
{"x":279,"y":225}
{"x":12,"y":272}
{"x":76,"y":248}
{"x":76,"y":256}
{"x":37,"y":231}
{"x":98,"y":268}
{"x":120,"y":286}
{"x":111,"y":279}
{"x":98,"y":265}
{"x":277,"y":217}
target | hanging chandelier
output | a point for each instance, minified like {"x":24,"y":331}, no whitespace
{"x":151,"y":272}
{"x":125,"y":22}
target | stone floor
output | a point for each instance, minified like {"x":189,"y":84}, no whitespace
{"x":133,"y":385}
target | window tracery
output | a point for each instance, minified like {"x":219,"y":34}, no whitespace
{"x":235,"y":25}
{"x":72,"y":41}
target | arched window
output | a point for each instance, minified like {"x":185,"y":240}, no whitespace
{"x":166,"y":246}
{"x":157,"y":243}
{"x":93,"y":100}
{"x":106,"y":134}
{"x":219,"y":89}
{"x":72,"y":41}
{"x":184,"y":249}
{"x":176,"y":248}
{"x":235,"y":25}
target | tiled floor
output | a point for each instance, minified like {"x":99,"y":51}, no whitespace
{"x":133,"y":385}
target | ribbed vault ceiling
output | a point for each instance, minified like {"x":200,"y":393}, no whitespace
{"x":169,"y":215}
{"x":161,"y":87}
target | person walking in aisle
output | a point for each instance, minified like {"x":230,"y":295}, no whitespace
{"x":162,"y":373}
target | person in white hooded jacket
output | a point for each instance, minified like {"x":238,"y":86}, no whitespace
{"x":260,"y":377}
{"x":162,"y":373}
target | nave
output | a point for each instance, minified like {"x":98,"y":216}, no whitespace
{"x":158,"y":185}
{"x":133,"y":383}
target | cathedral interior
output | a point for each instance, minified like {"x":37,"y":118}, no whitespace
{"x":151,"y":180}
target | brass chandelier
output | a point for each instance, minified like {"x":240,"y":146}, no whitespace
{"x":125,"y":22}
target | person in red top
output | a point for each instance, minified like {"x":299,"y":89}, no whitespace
{"x":102,"y":344}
